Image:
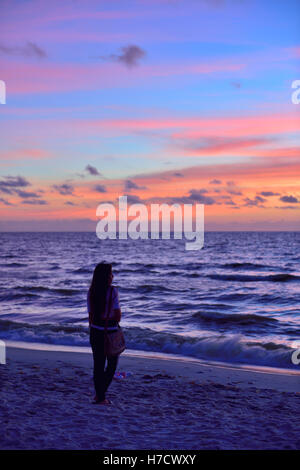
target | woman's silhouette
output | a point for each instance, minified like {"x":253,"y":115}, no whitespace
{"x":102,"y":301}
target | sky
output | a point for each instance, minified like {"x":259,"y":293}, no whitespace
{"x":165,"y":101}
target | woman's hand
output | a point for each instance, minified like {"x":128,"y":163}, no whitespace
{"x":117,"y":314}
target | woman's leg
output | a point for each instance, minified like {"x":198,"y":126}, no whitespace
{"x":96,"y":340}
{"x":112,"y":363}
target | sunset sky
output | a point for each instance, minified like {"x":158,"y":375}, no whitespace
{"x":161,"y":100}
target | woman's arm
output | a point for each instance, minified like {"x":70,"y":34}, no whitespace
{"x":89,"y":309}
{"x":116,"y":306}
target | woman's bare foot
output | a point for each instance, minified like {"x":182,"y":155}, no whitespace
{"x":102,"y":402}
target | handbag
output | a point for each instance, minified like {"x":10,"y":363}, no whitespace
{"x":114,"y":342}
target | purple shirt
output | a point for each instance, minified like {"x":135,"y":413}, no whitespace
{"x":114,"y":304}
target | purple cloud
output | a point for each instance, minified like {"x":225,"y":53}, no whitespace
{"x":129,"y":185}
{"x":26,"y":194}
{"x":256,"y":202}
{"x":100,"y":188}
{"x":130,"y":55}
{"x":70,"y":203}
{"x":133,"y":199}
{"x":197,"y":196}
{"x":64,"y":189}
{"x":92,"y":170}
{"x":29,"y":50}
{"x":10,"y":183}
{"x":4,"y":201}
{"x":269,"y":193}
{"x":40,"y":202}
{"x":290,"y":199}
{"x":237,"y":85}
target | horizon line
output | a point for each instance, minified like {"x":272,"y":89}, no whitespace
{"x":160,"y":232}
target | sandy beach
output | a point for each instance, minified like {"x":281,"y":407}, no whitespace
{"x":46,"y":403}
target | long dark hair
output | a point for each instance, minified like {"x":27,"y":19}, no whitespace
{"x":98,"y":288}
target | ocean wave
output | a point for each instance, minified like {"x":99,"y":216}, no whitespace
{"x":13,"y":265}
{"x":282,"y":277}
{"x":56,"y":290}
{"x":82,"y":271}
{"x":233,"y":318}
{"x":35,"y":291}
{"x":247,"y":265}
{"x":10,"y":296}
{"x":140,"y":270}
{"x":229,"y":348}
{"x":237,"y":296}
{"x":64,"y":334}
{"x":173,"y":273}
{"x":148,"y":288}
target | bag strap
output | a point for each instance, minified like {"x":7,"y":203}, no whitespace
{"x":108,"y":309}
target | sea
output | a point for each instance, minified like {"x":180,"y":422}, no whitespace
{"x":237,"y":300}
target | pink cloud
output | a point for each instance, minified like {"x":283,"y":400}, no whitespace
{"x":48,"y":77}
{"x":240,"y":126}
{"x":234,"y":134}
{"x":195,"y":128}
{"x":65,"y":36}
{"x":217,"y":145}
{"x":24,"y":153}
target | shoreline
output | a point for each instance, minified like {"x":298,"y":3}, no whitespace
{"x":172,"y":359}
{"x":46,"y":399}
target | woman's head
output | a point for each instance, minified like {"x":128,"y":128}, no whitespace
{"x":102,"y":278}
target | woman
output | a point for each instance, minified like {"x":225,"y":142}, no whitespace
{"x":102,"y":301}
